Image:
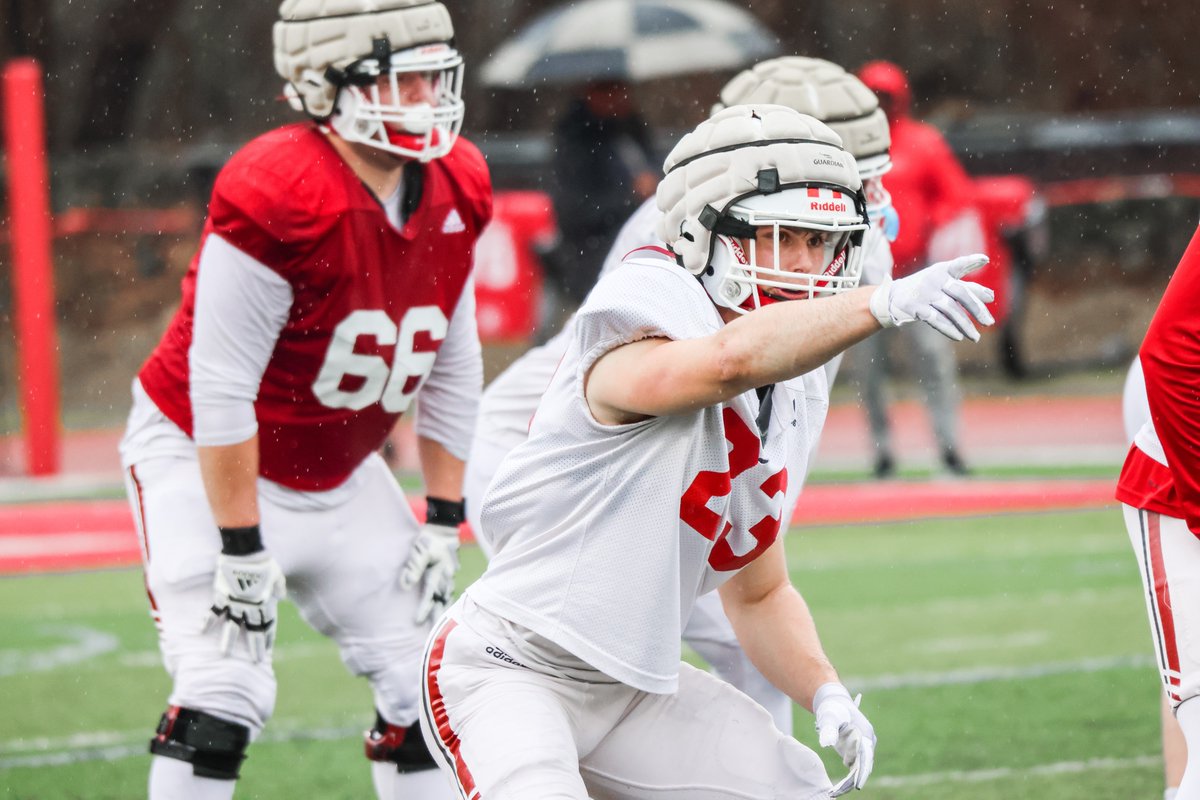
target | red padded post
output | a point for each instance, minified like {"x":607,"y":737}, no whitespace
{"x":33,"y":274}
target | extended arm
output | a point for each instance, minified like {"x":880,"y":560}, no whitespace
{"x":656,"y":377}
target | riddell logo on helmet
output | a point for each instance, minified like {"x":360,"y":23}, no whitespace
{"x":829,"y":206}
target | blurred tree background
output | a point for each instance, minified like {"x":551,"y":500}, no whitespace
{"x":167,"y":72}
{"x":146,"y":98}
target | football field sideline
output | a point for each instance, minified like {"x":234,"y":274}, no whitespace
{"x":63,"y":536}
{"x":999,"y":655}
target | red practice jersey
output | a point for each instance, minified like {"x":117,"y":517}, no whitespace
{"x":1170,"y":357}
{"x":370,"y":304}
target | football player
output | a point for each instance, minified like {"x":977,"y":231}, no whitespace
{"x":808,"y":85}
{"x":1159,"y":488}
{"x":330,"y":288}
{"x":659,"y":467}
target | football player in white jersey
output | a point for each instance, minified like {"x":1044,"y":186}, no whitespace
{"x":659,"y":467}
{"x":808,"y":85}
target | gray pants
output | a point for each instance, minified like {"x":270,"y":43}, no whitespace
{"x":932,"y":358}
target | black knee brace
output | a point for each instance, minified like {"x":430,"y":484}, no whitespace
{"x":215,"y":748}
{"x":404,"y":747}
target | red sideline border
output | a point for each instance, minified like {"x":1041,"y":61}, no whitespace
{"x":56,"y":537}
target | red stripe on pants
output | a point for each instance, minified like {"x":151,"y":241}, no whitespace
{"x":441,"y":719}
{"x":145,"y":537}
{"x":1162,"y":597}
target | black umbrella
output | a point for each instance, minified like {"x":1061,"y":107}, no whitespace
{"x":631,"y":40}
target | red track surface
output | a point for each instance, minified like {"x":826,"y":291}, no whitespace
{"x":51,"y":537}
{"x":38,"y":537}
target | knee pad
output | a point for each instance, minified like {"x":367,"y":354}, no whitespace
{"x":215,"y":748}
{"x":404,"y":747}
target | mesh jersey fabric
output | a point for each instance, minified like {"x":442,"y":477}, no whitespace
{"x":593,"y":551}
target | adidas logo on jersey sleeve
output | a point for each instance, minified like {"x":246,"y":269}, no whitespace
{"x":453,"y":223}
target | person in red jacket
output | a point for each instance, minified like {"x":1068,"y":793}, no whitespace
{"x":933,"y":198}
{"x":1159,"y":488}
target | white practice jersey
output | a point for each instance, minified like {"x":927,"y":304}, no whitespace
{"x":509,"y":401}
{"x":606,"y":535}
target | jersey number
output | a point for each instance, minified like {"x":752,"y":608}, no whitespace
{"x":392,"y":386}
{"x":694,"y":510}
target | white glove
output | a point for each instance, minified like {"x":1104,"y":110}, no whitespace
{"x":841,"y":725}
{"x":937,"y":296}
{"x":246,"y":594}
{"x":432,"y":563}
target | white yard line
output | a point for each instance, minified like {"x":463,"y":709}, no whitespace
{"x":999,"y":773}
{"x":84,"y":645}
{"x":108,"y":745}
{"x":83,"y":753}
{"x":957,"y":677}
{"x":80,"y":753}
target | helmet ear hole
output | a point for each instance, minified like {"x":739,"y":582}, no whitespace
{"x":292,"y":95}
{"x":344,"y":117}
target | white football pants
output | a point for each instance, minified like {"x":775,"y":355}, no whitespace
{"x":509,"y":714}
{"x":1168,"y":557}
{"x":341,"y":566}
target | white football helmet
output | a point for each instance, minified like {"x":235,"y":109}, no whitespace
{"x":837,"y":98}
{"x":761,"y":165}
{"x":349,"y":64}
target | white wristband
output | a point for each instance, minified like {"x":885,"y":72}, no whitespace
{"x":880,"y":302}
{"x":827,"y":690}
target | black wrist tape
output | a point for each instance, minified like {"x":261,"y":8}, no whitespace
{"x":241,"y":541}
{"x":444,"y":512}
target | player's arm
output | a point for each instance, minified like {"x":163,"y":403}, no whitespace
{"x":449,"y":404}
{"x":230,"y":475}
{"x":658,"y":377}
{"x":775,"y":628}
{"x":655,"y":376}
{"x":241,"y":306}
{"x":441,"y":469}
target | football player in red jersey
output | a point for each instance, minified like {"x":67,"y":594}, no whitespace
{"x":1160,"y":490}
{"x":330,"y":288}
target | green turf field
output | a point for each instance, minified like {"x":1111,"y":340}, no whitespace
{"x":1005,"y":657}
